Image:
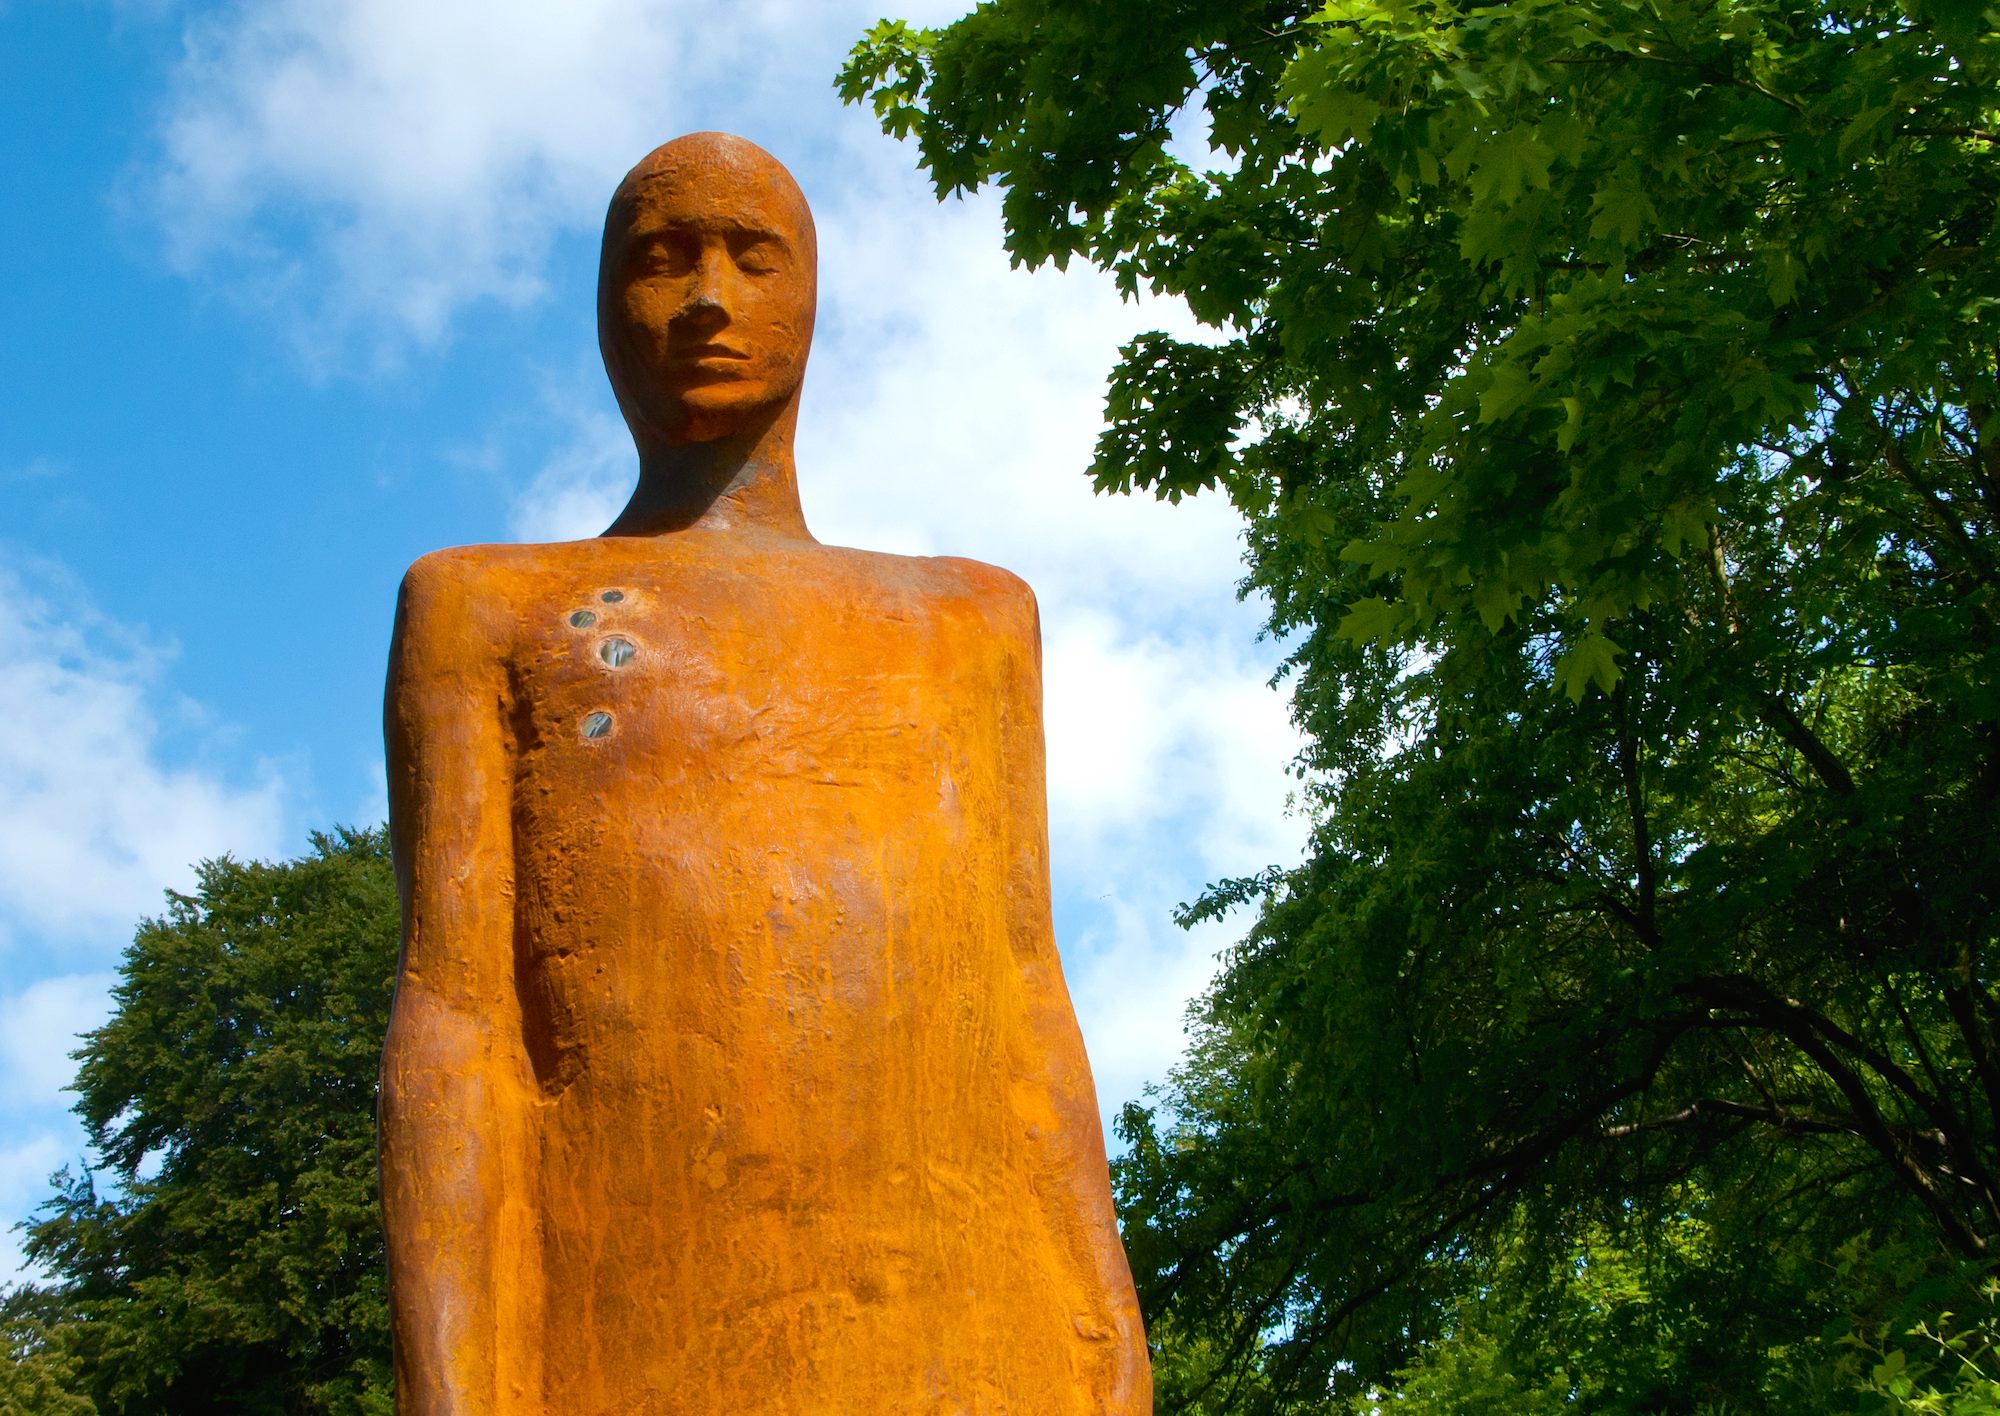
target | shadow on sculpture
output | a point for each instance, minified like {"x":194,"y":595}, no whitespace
{"x":731,"y":1067}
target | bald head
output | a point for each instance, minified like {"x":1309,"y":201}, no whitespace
{"x":706,"y":289}
{"x":721,"y":162}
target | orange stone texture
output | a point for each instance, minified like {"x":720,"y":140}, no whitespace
{"x":731,"y":1070}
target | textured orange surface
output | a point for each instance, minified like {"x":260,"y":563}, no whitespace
{"x":731,"y":1068}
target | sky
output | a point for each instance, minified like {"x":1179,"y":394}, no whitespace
{"x":298,"y":290}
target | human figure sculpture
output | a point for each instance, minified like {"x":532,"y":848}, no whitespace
{"x":731,"y":1068}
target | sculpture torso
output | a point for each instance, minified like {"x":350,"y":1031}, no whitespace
{"x":784,"y":968}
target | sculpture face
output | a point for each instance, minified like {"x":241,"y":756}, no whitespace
{"x":707,"y":289}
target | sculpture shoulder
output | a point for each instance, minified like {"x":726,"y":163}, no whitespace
{"x":1006,"y":601}
{"x":998,"y":597}
{"x":456,"y":601}
{"x":475,"y":570}
{"x":985,"y":582}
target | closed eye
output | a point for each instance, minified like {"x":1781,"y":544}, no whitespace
{"x":757,"y":254}
{"x":672,"y":253}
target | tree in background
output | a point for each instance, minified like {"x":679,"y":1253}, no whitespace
{"x":40,"y":1374}
{"x":1609,"y":388}
{"x":233,"y":1263}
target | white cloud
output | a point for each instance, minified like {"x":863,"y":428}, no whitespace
{"x":25,"y":1167}
{"x":93,"y":823}
{"x":1145,"y":730}
{"x":371,"y":808}
{"x":582,"y":485}
{"x":953,"y":396}
{"x":432,"y":150}
{"x":372,"y":167}
{"x":1132,"y":976}
{"x":35,"y":469}
{"x":97,"y":817}
{"x":40,"y":1027}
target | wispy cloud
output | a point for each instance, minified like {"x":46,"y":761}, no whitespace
{"x":583,"y":480}
{"x":35,"y":469}
{"x":1132,"y":976}
{"x":94,"y":816}
{"x":105,"y":800}
{"x":26,"y":1162}
{"x":40,"y":1027}
{"x":367,"y":170}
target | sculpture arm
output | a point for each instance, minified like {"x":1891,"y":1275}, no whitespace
{"x":457,"y":1103}
{"x":1074,"y":1177}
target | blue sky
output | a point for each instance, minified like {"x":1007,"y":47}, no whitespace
{"x":298,"y":290}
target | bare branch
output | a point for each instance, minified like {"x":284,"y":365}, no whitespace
{"x":1717,"y":1106}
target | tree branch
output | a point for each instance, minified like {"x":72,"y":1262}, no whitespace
{"x":1771,"y":709}
{"x":1635,"y":805}
{"x":1817,"y":1036}
{"x":1958,"y":1002}
{"x":1717,"y":1106}
{"x":1784,"y":720}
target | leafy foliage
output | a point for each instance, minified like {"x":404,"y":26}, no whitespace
{"x":1610,"y":390}
{"x":1620,"y":1329}
{"x":39,"y":1372}
{"x":1946,"y":1364}
{"x":234,"y":1263}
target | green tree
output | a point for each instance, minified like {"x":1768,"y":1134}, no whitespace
{"x":40,"y":1374}
{"x":1615,"y":1329}
{"x":234,"y":1262}
{"x":1609,"y":389}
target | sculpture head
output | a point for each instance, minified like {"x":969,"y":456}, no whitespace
{"x":706,"y":291}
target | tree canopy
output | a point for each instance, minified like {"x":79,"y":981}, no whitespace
{"x":1609,"y":390}
{"x":226,"y":1254}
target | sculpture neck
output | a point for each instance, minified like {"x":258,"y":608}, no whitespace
{"x":745,"y":483}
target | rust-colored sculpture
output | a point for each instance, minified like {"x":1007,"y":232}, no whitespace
{"x":731,"y":1067}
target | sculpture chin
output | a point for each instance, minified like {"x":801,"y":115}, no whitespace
{"x":713,"y":409}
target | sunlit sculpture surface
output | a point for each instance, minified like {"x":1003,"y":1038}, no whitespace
{"x":731,"y":1068}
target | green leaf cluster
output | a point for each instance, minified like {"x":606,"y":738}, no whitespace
{"x":1609,"y":388}
{"x":40,"y":1374}
{"x":226,"y":1253}
{"x":1944,"y":1363}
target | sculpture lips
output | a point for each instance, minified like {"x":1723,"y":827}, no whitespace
{"x":707,"y":363}
{"x":705,"y":353}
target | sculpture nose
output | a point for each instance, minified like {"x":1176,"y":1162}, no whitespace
{"x":705,"y":297}
{"x":704,"y":309}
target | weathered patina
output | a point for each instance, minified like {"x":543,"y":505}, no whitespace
{"x":731,"y":1067}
